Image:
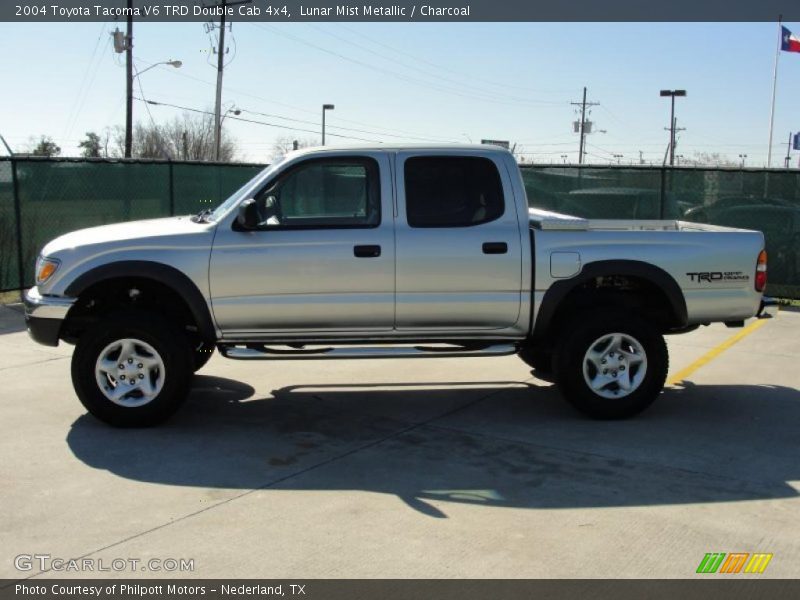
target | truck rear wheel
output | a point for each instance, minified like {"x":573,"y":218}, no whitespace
{"x":611,"y":365}
{"x":132,"y":369}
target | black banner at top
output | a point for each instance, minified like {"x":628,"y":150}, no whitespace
{"x":400,"y":10}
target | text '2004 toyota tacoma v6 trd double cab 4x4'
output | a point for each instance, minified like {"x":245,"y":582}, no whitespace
{"x":386,"y":252}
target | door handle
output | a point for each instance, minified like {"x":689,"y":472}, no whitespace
{"x":495,"y":247}
{"x":367,"y":251}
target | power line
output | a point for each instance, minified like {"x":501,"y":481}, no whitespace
{"x":426,"y":72}
{"x":405,"y":137}
{"x":234,"y":118}
{"x":423,"y":83}
{"x":86,"y":83}
{"x":289,"y":106}
{"x":454,"y":71}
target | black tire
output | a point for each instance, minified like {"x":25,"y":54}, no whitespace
{"x":172,"y":347}
{"x":202,"y":352}
{"x":589,"y":327}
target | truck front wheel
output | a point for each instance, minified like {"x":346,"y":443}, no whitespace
{"x":132,"y":369}
{"x":611,"y":365}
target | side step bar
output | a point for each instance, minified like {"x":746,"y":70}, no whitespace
{"x":263,"y":352}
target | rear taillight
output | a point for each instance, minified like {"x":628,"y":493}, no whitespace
{"x":761,"y":271}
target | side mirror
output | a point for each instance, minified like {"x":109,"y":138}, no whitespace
{"x":248,"y":218}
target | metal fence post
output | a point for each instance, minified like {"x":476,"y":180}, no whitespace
{"x":662,"y":204}
{"x":18,"y":218}
{"x":171,"y":190}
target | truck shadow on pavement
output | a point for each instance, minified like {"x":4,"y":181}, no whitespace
{"x":499,"y":444}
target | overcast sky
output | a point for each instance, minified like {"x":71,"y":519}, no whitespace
{"x":408,"y":82}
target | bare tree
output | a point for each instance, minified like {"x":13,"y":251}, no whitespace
{"x":188,"y":137}
{"x":284,"y":145}
{"x":710,"y":159}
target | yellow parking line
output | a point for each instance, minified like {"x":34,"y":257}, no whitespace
{"x":714,"y":352}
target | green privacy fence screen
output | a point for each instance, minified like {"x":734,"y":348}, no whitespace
{"x":42,"y":198}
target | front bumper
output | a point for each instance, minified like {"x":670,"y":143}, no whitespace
{"x":768,"y":309}
{"x":44,"y":316}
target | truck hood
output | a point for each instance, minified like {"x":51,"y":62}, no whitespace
{"x":131,"y":234}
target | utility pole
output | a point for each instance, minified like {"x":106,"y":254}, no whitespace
{"x":788,"y":151}
{"x":673,"y":139}
{"x":220,"y":68}
{"x":129,"y":82}
{"x":641,"y":157}
{"x":582,"y":141}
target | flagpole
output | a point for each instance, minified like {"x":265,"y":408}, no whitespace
{"x":774,"y":88}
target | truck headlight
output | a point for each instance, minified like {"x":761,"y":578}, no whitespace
{"x":45,"y":267}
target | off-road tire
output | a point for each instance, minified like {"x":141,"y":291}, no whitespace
{"x":572,"y":357}
{"x":172,"y":348}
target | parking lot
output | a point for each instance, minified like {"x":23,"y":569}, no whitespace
{"x":428,"y":468}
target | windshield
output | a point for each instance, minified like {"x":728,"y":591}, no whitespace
{"x":244,"y":191}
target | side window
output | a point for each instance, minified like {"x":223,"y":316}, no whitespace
{"x":450,"y":191}
{"x":320,"y":193}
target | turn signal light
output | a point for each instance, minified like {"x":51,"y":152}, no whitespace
{"x":761,"y":271}
{"x":45,"y":267}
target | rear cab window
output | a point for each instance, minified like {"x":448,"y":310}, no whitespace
{"x":452,"y":191}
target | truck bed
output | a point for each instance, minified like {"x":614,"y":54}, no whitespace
{"x":553,"y":221}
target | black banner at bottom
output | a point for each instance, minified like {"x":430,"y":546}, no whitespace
{"x":714,"y":586}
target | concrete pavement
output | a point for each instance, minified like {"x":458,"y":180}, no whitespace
{"x":425,"y":468}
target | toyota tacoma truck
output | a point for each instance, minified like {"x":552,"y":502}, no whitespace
{"x":386,"y":252}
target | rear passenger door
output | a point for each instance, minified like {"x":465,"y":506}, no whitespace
{"x":458,"y":248}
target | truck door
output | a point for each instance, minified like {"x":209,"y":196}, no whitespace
{"x":322,"y":257}
{"x":459,"y":262}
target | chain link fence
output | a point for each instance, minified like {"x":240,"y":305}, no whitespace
{"x":767,"y":200}
{"x":42,"y":198}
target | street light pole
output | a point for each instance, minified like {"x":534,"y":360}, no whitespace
{"x":172,"y":63}
{"x":672,"y":94}
{"x":672,"y":131}
{"x":324,"y":108}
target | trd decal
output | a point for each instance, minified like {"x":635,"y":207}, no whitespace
{"x":711,"y":276}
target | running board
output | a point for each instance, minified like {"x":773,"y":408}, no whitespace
{"x":263,"y":352}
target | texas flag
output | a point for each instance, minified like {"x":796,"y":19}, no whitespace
{"x":789,"y":42}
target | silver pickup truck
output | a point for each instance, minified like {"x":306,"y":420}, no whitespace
{"x":386,"y":252}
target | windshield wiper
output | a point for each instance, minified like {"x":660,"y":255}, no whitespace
{"x":201,"y":217}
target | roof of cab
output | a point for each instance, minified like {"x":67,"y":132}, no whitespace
{"x":402,"y":147}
